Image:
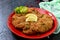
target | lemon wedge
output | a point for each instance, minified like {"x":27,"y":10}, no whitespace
{"x":31,"y":17}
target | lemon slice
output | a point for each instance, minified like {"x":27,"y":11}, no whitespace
{"x":31,"y":17}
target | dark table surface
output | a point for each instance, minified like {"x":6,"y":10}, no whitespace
{"x":6,"y":7}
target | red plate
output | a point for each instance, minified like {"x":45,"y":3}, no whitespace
{"x":19,"y":33}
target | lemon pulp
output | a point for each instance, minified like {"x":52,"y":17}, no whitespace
{"x":31,"y":17}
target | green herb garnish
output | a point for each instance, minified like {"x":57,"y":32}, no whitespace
{"x":21,"y":9}
{"x":17,"y":10}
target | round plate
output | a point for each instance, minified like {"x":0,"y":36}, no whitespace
{"x":19,"y":33}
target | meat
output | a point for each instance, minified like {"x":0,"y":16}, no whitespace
{"x":44,"y":23}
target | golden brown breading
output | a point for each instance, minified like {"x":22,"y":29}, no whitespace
{"x":44,"y":23}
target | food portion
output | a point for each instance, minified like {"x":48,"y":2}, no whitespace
{"x":31,"y":17}
{"x":30,"y":21}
